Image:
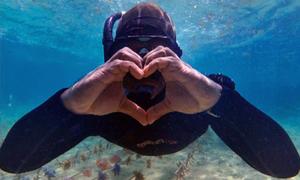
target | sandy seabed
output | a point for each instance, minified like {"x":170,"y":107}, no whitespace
{"x":206,"y":158}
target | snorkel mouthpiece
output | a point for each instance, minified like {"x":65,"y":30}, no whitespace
{"x":145,"y":92}
{"x":143,"y":52}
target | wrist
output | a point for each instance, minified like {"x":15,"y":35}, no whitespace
{"x":68,"y":102}
{"x":211,"y":92}
{"x":216,"y":92}
{"x":228,"y":86}
{"x":217,"y":110}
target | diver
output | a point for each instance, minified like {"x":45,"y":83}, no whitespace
{"x":146,"y":99}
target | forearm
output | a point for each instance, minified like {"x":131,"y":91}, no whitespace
{"x":41,"y":135}
{"x":254,"y":136}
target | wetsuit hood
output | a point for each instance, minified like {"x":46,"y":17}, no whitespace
{"x":145,"y":19}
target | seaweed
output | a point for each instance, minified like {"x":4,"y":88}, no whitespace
{"x":128,"y":160}
{"x":76,"y":157}
{"x":96,"y":149}
{"x":66,"y":164}
{"x":149,"y":163}
{"x":108,"y":146}
{"x":100,"y":149}
{"x":83,"y":157}
{"x":184,"y":166}
{"x":137,"y":175}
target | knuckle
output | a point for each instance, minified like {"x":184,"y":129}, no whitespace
{"x":172,"y":58}
{"x":119,"y":64}
{"x":167,"y":49}
{"x":122,"y":53}
{"x":125,"y":50}
{"x":164,"y":51}
{"x":155,"y":63}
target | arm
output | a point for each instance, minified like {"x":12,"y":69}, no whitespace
{"x":43,"y":134}
{"x":252,"y":134}
{"x":71,"y":115}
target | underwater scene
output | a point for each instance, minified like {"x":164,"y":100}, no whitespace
{"x":49,"y":45}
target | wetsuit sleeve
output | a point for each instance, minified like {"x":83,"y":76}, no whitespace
{"x":43,"y":134}
{"x":253,"y":135}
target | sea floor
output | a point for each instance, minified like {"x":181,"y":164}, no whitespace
{"x":97,"y":159}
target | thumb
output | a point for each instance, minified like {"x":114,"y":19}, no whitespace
{"x":132,"y":109}
{"x":158,"y":110}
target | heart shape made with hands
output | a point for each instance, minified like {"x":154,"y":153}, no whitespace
{"x":145,"y":92}
{"x":152,"y":93}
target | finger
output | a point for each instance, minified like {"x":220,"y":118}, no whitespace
{"x":170,"y":52}
{"x":153,"y":51}
{"x":137,"y":56}
{"x":124,"y":67}
{"x":157,"y":64}
{"x":158,"y":110}
{"x":127,"y":54}
{"x":116,"y":71}
{"x":154,"y":55}
{"x":160,"y":51}
{"x":130,"y":108}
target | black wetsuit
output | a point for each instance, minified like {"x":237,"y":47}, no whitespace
{"x":50,"y":130}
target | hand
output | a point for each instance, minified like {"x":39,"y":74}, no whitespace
{"x":187,"y":90}
{"x":101,"y":92}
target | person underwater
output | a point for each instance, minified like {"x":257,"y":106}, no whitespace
{"x":146,"y":99}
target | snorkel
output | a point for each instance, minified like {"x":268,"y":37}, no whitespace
{"x":108,"y":38}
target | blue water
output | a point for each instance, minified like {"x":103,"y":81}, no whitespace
{"x":47,"y":45}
